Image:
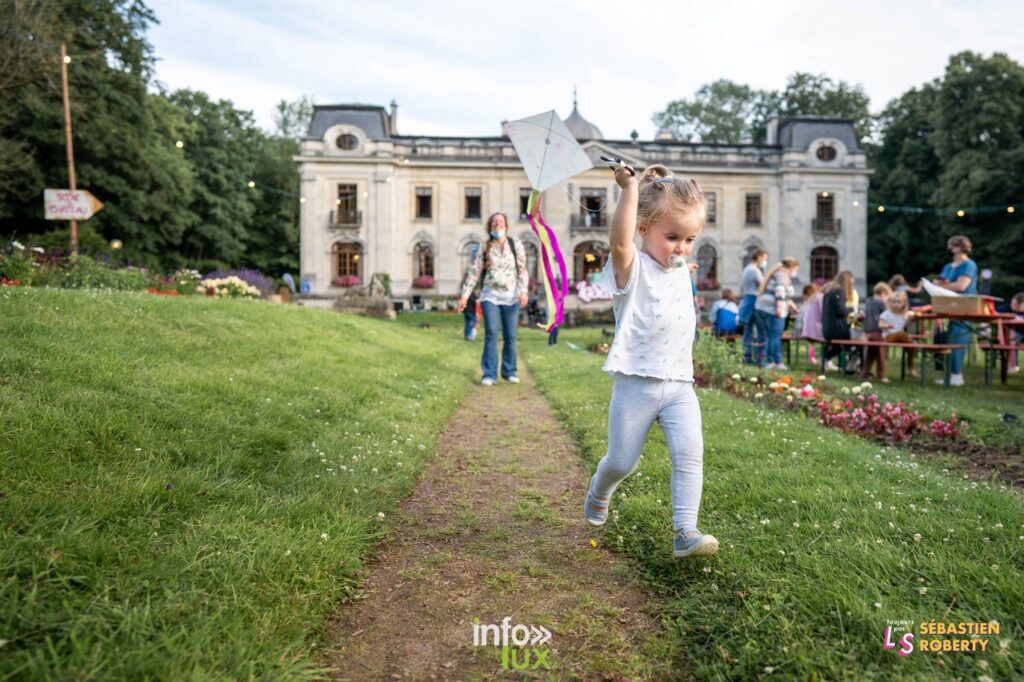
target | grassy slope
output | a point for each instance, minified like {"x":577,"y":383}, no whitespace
{"x":169,"y":465}
{"x":825,"y":538}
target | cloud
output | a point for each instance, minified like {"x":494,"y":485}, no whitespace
{"x":459,"y":68}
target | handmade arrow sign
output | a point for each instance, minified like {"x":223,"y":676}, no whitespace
{"x":63,"y":204}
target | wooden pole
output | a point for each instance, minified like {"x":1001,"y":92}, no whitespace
{"x":67,"y":135}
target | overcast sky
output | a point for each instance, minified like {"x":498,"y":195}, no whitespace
{"x":460,"y":68}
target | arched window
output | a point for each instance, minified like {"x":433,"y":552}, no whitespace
{"x":588,"y":259}
{"x":824,"y":263}
{"x":348,"y":257}
{"x":748,"y":251}
{"x":532,"y":260}
{"x":423,"y":260}
{"x":707,"y":261}
{"x":466,"y":256}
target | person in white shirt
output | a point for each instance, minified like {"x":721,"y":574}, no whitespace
{"x":651,"y":356}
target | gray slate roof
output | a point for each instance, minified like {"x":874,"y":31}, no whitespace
{"x":800,"y":132}
{"x":372,"y":120}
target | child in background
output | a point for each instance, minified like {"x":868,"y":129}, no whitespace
{"x":873,"y":310}
{"x":893,"y":323}
{"x":1016,"y":335}
{"x":724,"y":314}
{"x":651,"y":356}
{"x":808,"y":320}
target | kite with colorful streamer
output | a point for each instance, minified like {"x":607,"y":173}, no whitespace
{"x":549,"y":154}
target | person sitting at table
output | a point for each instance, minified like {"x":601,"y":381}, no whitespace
{"x":835,"y":314}
{"x":893,"y":323}
{"x":1016,"y":335}
{"x":959,"y":275}
{"x":873,"y":310}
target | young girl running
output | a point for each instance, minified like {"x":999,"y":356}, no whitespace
{"x":651,"y":357}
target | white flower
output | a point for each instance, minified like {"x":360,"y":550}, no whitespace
{"x":878,"y":604}
{"x":917,"y":537}
{"x":18,"y":245}
{"x":758,"y":395}
{"x":821,"y":377}
{"x":323,"y":536}
{"x":765,"y":522}
{"x":855,"y":390}
{"x":774,"y":385}
{"x":38,"y":249}
{"x":380,"y":515}
{"x":737,"y":377}
{"x":866,"y":385}
{"x":753,"y":380}
{"x":288,"y":553}
{"x":845,"y":390}
{"x":789,"y":398}
{"x":422,"y":446}
{"x":922,"y":591}
{"x":707,"y":569}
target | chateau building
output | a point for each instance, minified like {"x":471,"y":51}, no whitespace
{"x":414,"y":207}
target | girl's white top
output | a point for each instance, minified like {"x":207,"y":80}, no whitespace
{"x":654,"y":320}
{"x":898,"y":321}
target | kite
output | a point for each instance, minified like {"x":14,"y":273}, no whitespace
{"x":549,"y":154}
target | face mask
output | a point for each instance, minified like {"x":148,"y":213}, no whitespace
{"x":763,"y":264}
{"x":497,"y":234}
{"x":675,"y":261}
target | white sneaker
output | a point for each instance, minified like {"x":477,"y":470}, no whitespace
{"x":831,"y":367}
{"x":954,"y":380}
{"x":1013,"y":370}
{"x":512,"y":379}
{"x":487,"y":382}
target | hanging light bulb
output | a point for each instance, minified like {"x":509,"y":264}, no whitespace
{"x":960,"y":213}
{"x":251,"y":184}
{"x":856,"y":203}
{"x":881,"y":209}
{"x":1010,"y":209}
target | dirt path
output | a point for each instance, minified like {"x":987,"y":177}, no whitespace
{"x":495,"y":529}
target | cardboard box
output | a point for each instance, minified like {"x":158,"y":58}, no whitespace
{"x":961,"y":305}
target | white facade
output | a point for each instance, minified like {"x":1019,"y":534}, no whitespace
{"x":361,"y":213}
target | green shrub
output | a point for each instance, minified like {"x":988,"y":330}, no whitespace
{"x":85,"y":273}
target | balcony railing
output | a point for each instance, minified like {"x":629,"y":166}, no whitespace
{"x":588,"y":222}
{"x":833,"y":226}
{"x":345,"y":218}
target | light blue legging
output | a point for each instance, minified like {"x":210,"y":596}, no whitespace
{"x":636,"y":403}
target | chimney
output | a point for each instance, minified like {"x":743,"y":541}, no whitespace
{"x":393,"y":121}
{"x":772,"y":130}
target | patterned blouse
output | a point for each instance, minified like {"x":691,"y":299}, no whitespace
{"x":505,"y":279}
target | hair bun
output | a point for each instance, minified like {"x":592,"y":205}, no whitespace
{"x":654,"y":173}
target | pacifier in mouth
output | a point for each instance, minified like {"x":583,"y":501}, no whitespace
{"x":675,"y":261}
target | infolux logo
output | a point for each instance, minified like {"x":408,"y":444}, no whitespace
{"x":518,"y":643}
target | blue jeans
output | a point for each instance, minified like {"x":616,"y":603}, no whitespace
{"x":637,"y":402}
{"x":469,"y":329}
{"x":772,"y":326}
{"x":751,"y":334}
{"x":507,"y":316}
{"x":959,"y":332}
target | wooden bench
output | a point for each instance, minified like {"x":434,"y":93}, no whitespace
{"x":936,"y":350}
{"x":991,"y":350}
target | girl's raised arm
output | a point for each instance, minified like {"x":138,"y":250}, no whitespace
{"x":620,"y":236}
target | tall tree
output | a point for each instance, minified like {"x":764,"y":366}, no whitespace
{"x":725,"y":111}
{"x":223,"y":146}
{"x":120,"y":153}
{"x":906,"y":174}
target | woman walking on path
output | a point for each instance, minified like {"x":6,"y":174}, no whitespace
{"x":500,"y":267}
{"x":775,"y":300}
{"x":651,"y":356}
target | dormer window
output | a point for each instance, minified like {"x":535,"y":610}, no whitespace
{"x":347,"y":141}
{"x":826,"y":152}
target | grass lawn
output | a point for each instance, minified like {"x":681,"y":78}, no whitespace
{"x":825,"y":538}
{"x":189,"y":486}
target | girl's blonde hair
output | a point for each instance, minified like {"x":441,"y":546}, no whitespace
{"x":898,"y":302}
{"x":661,"y":192}
{"x":789,"y":262}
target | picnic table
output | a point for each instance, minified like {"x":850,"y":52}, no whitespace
{"x":935,"y":350}
{"x":992,"y":346}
